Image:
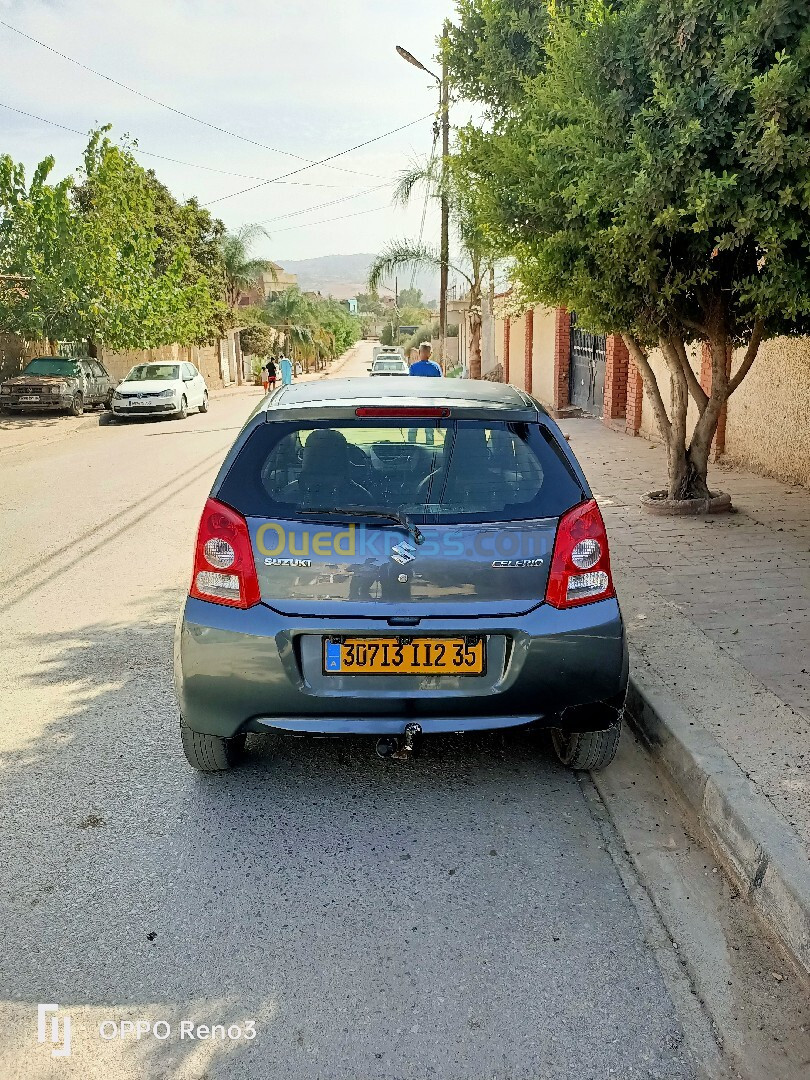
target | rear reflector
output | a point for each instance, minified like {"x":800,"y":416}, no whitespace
{"x":414,"y":412}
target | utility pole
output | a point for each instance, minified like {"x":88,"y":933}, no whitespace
{"x":445,"y":239}
{"x":444,"y":120}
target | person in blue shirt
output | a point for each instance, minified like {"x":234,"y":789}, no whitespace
{"x":424,"y":367}
{"x":285,"y":364}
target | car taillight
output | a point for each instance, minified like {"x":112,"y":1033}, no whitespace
{"x":224,"y":568}
{"x":580,"y":565}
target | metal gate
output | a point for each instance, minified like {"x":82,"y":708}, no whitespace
{"x":586,"y":372}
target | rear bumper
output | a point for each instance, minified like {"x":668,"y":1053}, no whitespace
{"x":246,"y":670}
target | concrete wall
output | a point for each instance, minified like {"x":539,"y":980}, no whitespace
{"x":649,"y":428}
{"x":15,"y":354}
{"x":768,"y":425}
{"x":543,"y":355}
{"x":218,"y":363}
{"x":517,"y":351}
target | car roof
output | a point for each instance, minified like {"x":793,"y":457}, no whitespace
{"x":345,"y":395}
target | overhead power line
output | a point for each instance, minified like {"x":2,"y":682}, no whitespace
{"x":163,"y":157}
{"x":326,"y":221}
{"x":165,"y":105}
{"x":323,"y":205}
{"x":323,"y":161}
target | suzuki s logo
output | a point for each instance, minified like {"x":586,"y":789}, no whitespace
{"x":516,"y":564}
{"x":403,"y":553}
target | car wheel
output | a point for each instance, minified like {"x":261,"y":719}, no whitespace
{"x":77,"y":405}
{"x":208,"y":753}
{"x":183,"y":412}
{"x":204,"y":406}
{"x":587,"y":749}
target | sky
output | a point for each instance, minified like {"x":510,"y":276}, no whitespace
{"x":308,"y":78}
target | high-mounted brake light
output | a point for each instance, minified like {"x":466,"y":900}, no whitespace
{"x":224,"y":568}
{"x":424,"y":412}
{"x":580,"y":564}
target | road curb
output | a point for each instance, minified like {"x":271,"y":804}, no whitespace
{"x":752,"y":841}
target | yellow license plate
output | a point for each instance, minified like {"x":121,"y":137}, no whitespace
{"x":404,"y":656}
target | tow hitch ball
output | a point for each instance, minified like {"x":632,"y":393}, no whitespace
{"x":389,"y":746}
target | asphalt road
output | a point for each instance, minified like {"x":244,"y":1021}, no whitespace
{"x":463,"y":917}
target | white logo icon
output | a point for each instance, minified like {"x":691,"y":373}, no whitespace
{"x":56,"y":1032}
{"x":403,"y":553}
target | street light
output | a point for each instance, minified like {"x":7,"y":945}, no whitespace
{"x":444,"y":107}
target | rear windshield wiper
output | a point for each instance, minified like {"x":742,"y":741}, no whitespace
{"x":364,"y":511}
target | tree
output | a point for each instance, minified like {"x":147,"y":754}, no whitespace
{"x":242,"y":272}
{"x":257,"y":339}
{"x":80,"y":261}
{"x":652,"y":177}
{"x":370,"y":304}
{"x":411,"y":298}
{"x":495,"y":47}
{"x":291,"y":313}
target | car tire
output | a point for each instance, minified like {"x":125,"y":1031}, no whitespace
{"x":589,"y":750}
{"x":77,"y":405}
{"x":204,"y":405}
{"x":209,"y":753}
{"x":183,"y":411}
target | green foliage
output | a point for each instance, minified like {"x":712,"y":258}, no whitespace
{"x":495,"y":47}
{"x":655,"y":175}
{"x":652,"y":175}
{"x":411,"y":298}
{"x":370,"y":304}
{"x":87,"y":261}
{"x":241,"y":271}
{"x":258,"y":339}
{"x":316,"y":327}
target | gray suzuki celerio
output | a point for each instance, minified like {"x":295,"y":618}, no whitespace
{"x":398,"y":558}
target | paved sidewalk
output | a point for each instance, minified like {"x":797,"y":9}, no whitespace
{"x":718,"y":607}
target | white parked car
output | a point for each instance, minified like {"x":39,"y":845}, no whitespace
{"x":389,"y":365}
{"x":166,"y":389}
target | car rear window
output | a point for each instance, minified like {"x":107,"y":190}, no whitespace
{"x":451,"y":471}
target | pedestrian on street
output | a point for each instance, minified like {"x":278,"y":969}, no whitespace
{"x":286,"y":370}
{"x":270,"y":370}
{"x":424,"y":367}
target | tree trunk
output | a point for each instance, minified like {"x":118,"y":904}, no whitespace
{"x":475,"y":344}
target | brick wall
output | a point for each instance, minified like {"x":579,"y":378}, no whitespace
{"x":634,"y":401}
{"x":507,"y":342}
{"x":528,"y":350}
{"x":617,"y":360}
{"x":562,"y":358}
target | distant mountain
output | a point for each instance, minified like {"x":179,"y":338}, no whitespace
{"x":344,"y":276}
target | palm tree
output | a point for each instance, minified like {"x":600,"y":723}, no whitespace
{"x":437,"y":177}
{"x":291,"y":313}
{"x":242,"y":273}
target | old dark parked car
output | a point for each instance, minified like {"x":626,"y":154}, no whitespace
{"x":58,"y":382}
